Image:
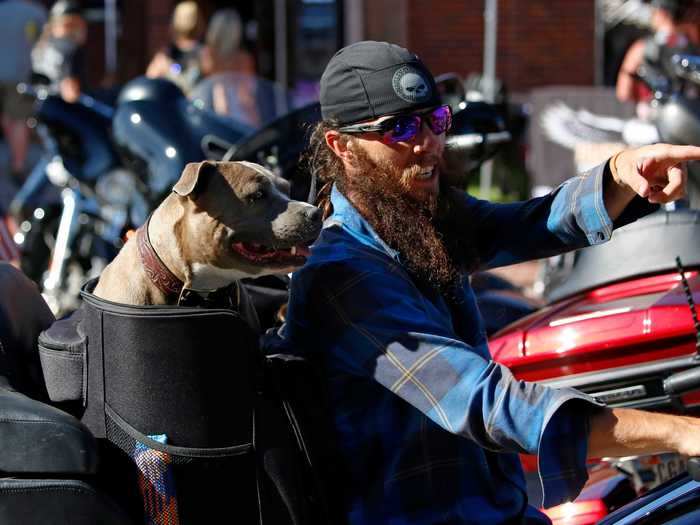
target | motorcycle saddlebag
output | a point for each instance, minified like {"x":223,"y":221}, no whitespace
{"x":174,"y":394}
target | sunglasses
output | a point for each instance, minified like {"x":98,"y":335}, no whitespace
{"x":403,"y":128}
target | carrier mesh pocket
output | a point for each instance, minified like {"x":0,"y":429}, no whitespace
{"x":182,"y":486}
{"x":156,"y":478}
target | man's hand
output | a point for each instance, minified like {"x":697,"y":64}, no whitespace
{"x":656,"y":173}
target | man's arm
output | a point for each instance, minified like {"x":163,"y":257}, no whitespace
{"x":582,"y":211}
{"x":374,"y":323}
{"x":621,"y":432}
{"x":624,"y":88}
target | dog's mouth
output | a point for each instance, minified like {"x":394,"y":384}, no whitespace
{"x":259,"y":254}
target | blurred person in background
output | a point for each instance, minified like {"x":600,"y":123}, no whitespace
{"x":230,"y":86}
{"x":20,"y":24}
{"x":222,"y":52}
{"x":669,"y":36}
{"x":179,"y":61}
{"x":58,"y":58}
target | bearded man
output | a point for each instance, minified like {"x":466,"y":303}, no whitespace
{"x":428,"y":426}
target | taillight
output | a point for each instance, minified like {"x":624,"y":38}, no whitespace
{"x":585,"y":512}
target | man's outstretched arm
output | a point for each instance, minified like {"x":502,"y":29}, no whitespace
{"x":618,"y":432}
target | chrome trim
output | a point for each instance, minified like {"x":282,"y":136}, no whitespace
{"x":655,"y":504}
{"x":592,"y":315}
{"x":63,"y":237}
{"x":623,"y":372}
{"x":617,"y":395}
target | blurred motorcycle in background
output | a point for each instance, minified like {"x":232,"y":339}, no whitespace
{"x":674,"y":118}
{"x":102,"y":170}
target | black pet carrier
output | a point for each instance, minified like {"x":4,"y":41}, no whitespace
{"x":193,"y":423}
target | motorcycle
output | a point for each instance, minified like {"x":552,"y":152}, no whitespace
{"x":103,"y":169}
{"x":620,"y":331}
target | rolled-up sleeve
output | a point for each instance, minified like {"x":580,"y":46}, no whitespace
{"x":383,"y":328}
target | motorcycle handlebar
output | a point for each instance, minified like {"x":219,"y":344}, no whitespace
{"x":682,"y":382}
{"x":469,"y":140}
{"x":694,"y":468}
{"x":41,"y":92}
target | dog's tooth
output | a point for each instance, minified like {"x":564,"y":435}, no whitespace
{"x":293,"y":251}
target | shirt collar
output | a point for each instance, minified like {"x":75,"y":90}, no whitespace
{"x":347,"y":217}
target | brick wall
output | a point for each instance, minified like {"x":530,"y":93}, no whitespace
{"x":540,"y":42}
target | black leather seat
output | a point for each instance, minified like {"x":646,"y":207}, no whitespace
{"x":39,"y":444}
{"x":56,"y":502}
{"x":39,"y":439}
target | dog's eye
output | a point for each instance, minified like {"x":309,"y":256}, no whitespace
{"x":256,"y":196}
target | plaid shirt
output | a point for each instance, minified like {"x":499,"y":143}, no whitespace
{"x":428,"y":425}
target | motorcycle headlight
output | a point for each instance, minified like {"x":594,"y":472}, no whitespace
{"x":116,"y":187}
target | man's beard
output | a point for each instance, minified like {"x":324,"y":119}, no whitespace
{"x":434,"y":243}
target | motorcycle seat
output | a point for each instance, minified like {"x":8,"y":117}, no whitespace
{"x":668,"y":233}
{"x":39,"y":439}
{"x":56,"y":502}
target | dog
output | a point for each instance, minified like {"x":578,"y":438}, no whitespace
{"x":223,"y":221}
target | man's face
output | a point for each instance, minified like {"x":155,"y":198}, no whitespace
{"x":396,"y":188}
{"x":414,"y":163}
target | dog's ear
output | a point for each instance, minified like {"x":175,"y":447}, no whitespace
{"x":193,"y":177}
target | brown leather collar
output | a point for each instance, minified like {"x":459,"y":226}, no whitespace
{"x":158,"y":273}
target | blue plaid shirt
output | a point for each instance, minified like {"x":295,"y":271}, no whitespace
{"x":428,"y":425}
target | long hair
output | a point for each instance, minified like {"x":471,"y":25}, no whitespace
{"x":323,"y":164}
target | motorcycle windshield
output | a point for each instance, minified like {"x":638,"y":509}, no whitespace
{"x":247,"y":99}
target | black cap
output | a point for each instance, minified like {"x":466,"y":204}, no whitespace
{"x":369,"y":79}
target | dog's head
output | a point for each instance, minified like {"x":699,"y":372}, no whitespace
{"x":242,"y":220}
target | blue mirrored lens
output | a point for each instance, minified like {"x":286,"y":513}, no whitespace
{"x":440,"y":120}
{"x":405,"y":128}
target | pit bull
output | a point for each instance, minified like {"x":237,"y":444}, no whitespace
{"x":223,"y":221}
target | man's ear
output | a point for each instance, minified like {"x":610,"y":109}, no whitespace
{"x":193,"y":177}
{"x":339,"y":145}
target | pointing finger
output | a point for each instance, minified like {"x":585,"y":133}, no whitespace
{"x":674,"y":154}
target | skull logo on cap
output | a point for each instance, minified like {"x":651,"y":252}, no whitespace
{"x":411,"y":85}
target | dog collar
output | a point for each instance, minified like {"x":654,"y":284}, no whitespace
{"x":168,"y":283}
{"x":159,"y":274}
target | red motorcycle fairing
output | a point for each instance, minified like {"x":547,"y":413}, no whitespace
{"x":582,"y":340}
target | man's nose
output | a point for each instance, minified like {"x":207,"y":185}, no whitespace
{"x":428,"y":142}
